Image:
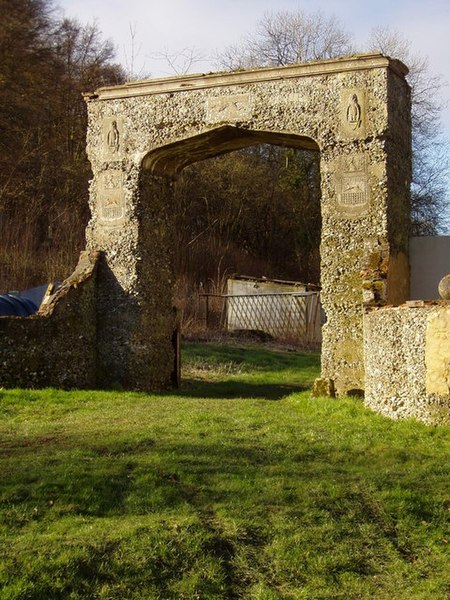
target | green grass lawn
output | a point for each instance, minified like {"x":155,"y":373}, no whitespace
{"x":236,"y":486}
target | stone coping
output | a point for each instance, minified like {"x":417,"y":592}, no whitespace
{"x":409,"y":304}
{"x":198,"y":81}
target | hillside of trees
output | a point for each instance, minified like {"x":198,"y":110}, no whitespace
{"x":254,"y":211}
{"x":45,"y":65}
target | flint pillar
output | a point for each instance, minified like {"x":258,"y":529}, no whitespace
{"x":135,"y":317}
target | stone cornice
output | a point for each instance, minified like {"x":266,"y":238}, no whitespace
{"x":197,"y":81}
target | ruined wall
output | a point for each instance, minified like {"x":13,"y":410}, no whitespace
{"x":355,"y":111}
{"x":407,"y":361}
{"x":57,"y":346}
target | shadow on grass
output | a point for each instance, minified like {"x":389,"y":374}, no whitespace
{"x":235,"y":371}
{"x":231,"y":389}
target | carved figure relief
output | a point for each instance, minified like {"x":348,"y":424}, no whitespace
{"x":353,"y":112}
{"x":229,"y":108}
{"x":112,"y":137}
{"x":111,"y":197}
{"x":352,"y":185}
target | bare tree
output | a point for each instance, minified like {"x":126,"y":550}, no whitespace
{"x":45,"y":65}
{"x":131,"y":57}
{"x":431,"y":165}
{"x":181,"y":61}
{"x":286,"y":37}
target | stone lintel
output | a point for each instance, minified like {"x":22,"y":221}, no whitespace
{"x":198,"y":81}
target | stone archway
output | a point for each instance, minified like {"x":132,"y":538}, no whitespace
{"x":356,"y":111}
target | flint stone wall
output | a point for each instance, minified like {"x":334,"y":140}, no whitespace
{"x":57,"y":346}
{"x":407,"y":361}
{"x":354,"y":111}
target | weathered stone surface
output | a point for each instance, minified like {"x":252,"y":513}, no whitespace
{"x":437,"y":353}
{"x":57,"y":346}
{"x":323,"y":387}
{"x":444,"y":288}
{"x":407,"y":361}
{"x":354,"y":111}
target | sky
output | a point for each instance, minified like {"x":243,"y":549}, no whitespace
{"x":208,"y":26}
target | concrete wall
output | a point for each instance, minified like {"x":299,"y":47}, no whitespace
{"x":430,"y":260}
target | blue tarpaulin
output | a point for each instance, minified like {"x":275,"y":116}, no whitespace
{"x":16,"y":306}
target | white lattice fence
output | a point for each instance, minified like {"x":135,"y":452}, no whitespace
{"x":283,"y":315}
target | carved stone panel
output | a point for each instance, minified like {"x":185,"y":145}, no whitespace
{"x":437,"y":353}
{"x":111,"y":197}
{"x":112,"y":137}
{"x":352,"y":186}
{"x":353,"y":113}
{"x":238,"y":107}
{"x":295,"y":99}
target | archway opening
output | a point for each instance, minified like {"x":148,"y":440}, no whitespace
{"x":171,"y":159}
{"x":246,"y":221}
{"x":241,"y":203}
